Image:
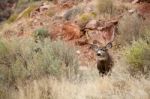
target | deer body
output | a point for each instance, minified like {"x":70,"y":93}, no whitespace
{"x":104,"y":66}
{"x":104,"y":60}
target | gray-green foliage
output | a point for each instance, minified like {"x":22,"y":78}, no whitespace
{"x":20,"y":61}
{"x":40,"y":34}
{"x":146,"y":32}
{"x":73,"y":12}
{"x":130,"y":28}
{"x":105,"y":6}
{"x":138,"y":56}
{"x":63,"y":58}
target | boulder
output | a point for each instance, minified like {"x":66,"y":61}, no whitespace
{"x":71,"y":31}
{"x":92,"y":24}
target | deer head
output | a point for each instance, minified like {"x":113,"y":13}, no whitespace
{"x":101,"y":52}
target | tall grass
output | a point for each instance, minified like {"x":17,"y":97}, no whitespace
{"x":105,"y":6}
{"x":130,"y":28}
{"x":40,"y":34}
{"x":51,"y":73}
{"x":119,"y":85}
{"x":23,"y":59}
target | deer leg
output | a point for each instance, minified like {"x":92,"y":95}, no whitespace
{"x":101,"y":69}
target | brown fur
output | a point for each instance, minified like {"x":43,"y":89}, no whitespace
{"x":104,"y":60}
{"x":104,"y":66}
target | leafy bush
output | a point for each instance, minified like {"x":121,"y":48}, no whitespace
{"x":138,"y":57}
{"x":40,"y":34}
{"x":20,"y":60}
{"x":59,"y":60}
{"x":130,"y":27}
{"x":85,"y":17}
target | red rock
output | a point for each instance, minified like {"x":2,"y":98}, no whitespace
{"x":71,"y":31}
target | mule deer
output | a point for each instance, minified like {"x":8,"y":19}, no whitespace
{"x":104,"y":60}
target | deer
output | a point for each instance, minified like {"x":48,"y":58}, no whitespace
{"x":103,"y":57}
{"x":104,"y":60}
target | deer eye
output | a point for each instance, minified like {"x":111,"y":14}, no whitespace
{"x":104,"y":49}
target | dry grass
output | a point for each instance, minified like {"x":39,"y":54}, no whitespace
{"x":23,"y":59}
{"x":118,"y":86}
{"x":105,"y":6}
{"x":84,"y":84}
{"x":130,"y":27}
{"x":50,"y":70}
{"x":108,"y":9}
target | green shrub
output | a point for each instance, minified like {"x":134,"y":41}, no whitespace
{"x":73,"y":12}
{"x":40,"y":34}
{"x":130,"y":28}
{"x":60,"y":60}
{"x":138,"y":56}
{"x":20,"y":61}
{"x":85,"y":17}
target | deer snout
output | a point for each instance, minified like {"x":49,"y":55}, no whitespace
{"x":100,"y":53}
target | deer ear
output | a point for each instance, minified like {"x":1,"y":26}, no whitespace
{"x":109,"y":45}
{"x":94,"y":47}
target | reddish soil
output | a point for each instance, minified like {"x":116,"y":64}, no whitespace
{"x":144,"y":9}
{"x":71,"y":32}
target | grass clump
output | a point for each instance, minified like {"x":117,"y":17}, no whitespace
{"x":146,"y":32}
{"x":4,"y":94}
{"x":85,"y":17}
{"x":27,"y":11}
{"x":130,"y":28}
{"x":40,"y":34}
{"x":60,"y":60}
{"x":73,"y":12}
{"x":138,"y":56}
{"x":12,"y":18}
{"x":105,"y":6}
{"x":21,"y":61}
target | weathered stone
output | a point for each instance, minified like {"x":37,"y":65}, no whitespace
{"x":92,"y":24}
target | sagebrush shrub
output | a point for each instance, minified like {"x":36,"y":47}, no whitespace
{"x":40,"y":34}
{"x":73,"y":12}
{"x":63,"y":58}
{"x":130,"y":28}
{"x":145,"y":34}
{"x":138,"y":56}
{"x":19,"y":60}
{"x":105,"y":6}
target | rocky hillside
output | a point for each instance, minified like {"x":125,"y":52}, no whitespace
{"x":45,"y":49}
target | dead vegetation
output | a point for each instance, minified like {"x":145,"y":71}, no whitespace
{"x":45,"y":54}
